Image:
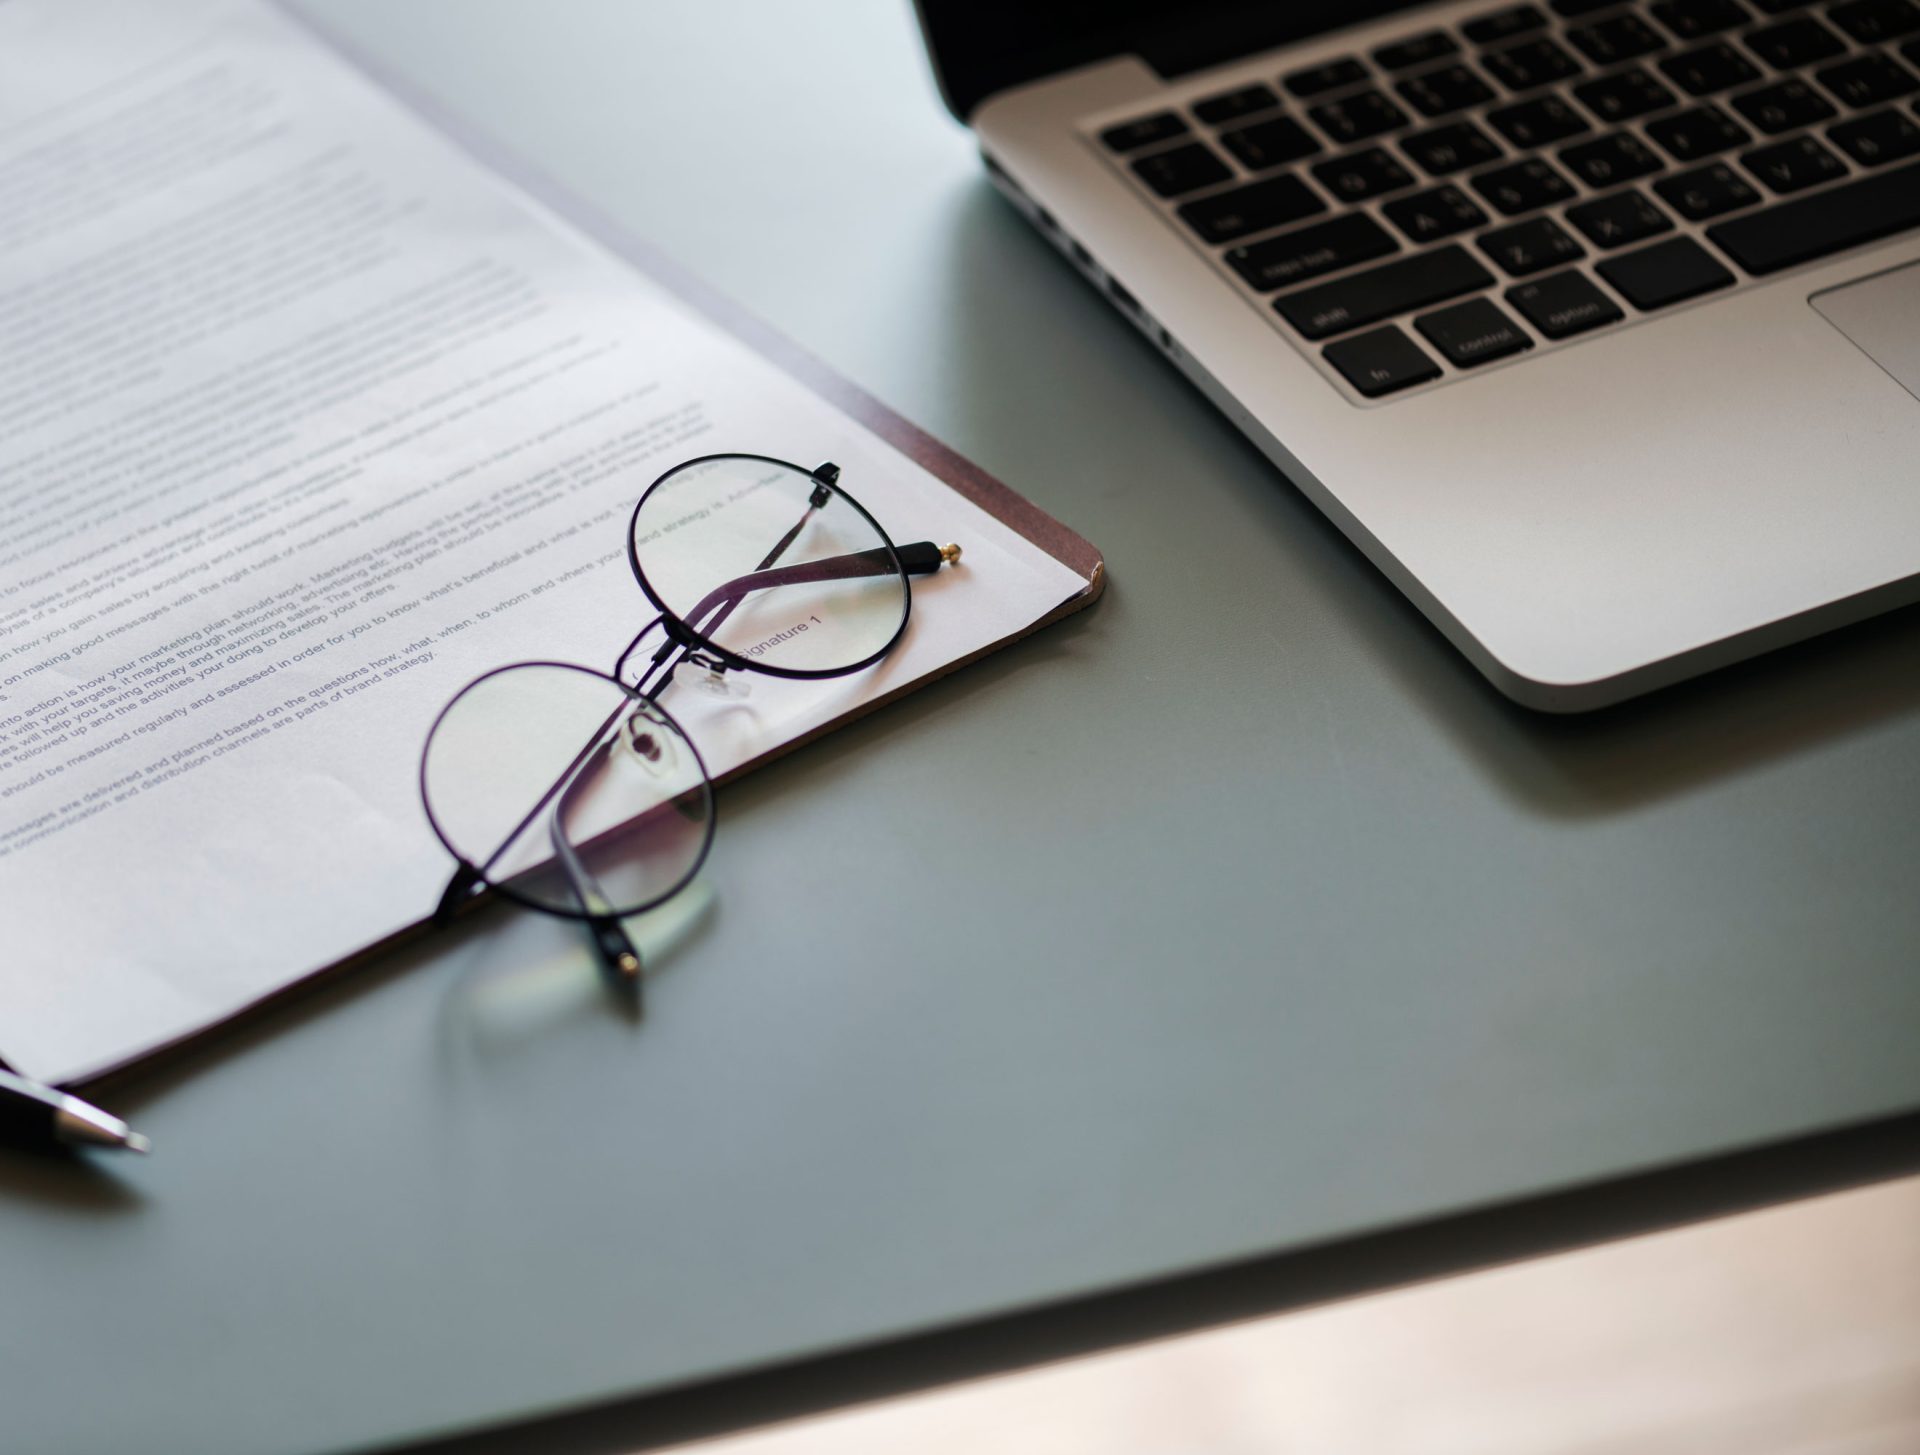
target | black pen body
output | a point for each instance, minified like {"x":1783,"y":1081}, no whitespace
{"x":27,"y":1113}
{"x":44,"y":1118}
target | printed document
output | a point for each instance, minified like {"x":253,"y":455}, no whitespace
{"x":307,"y":418}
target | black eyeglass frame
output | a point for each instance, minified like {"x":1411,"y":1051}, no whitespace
{"x":470,"y":882}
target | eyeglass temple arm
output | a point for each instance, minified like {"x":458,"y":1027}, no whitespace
{"x":919,"y":559}
{"x":922,"y":558}
{"x":617,"y":952}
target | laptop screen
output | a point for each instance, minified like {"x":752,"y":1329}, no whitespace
{"x":983,"y":46}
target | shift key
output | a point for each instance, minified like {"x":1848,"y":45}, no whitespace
{"x":1293,"y":257}
{"x":1381,"y":292}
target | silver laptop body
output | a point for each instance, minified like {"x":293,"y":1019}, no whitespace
{"x":1588,"y":506}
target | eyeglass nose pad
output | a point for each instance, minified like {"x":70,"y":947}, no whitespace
{"x":704,"y":674}
{"x":645,"y":740}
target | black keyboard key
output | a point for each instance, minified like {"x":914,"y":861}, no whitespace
{"x":1706,"y":192}
{"x":1564,"y":304}
{"x":1777,"y":7}
{"x":1783,"y":106}
{"x":1538,"y":123}
{"x":1709,"y":68}
{"x":1474,"y":332}
{"x":1664,"y":274}
{"x":1130,"y":136}
{"x":1625,"y":217}
{"x":1270,"y":143}
{"x":1623,"y":96}
{"x":1357,"y":117}
{"x":1501,"y":25}
{"x":1327,"y":76}
{"x":1868,"y":80}
{"x":1911,"y":50}
{"x":1616,"y":38}
{"x":1873,"y":21}
{"x":1382,"y":361}
{"x":1441,"y":151}
{"x":1360,"y":175}
{"x":1872,"y":141}
{"x":1876,"y":206}
{"x":1232,"y":105}
{"x":1529,"y":64}
{"x":1794,"y":166}
{"x":1294,"y":257}
{"x":1531,"y":247}
{"x":1450,"y":88}
{"x":1438,"y":213}
{"x":1397,"y":287}
{"x":1418,"y":50}
{"x":1618,"y":157}
{"x":1220,"y":217}
{"x":1574,"y":9}
{"x":1691,"y":19}
{"x":1522,"y":186}
{"x":1182,"y":170}
{"x":1794,"y":43}
{"x":1690,"y":135}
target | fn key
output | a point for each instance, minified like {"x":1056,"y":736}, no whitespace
{"x":1382,"y":361}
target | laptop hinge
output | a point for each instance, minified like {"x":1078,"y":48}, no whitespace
{"x":979,"y":47}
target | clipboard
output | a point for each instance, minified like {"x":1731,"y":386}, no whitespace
{"x":945,"y":465}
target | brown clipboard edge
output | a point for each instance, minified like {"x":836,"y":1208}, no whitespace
{"x":946,"y":465}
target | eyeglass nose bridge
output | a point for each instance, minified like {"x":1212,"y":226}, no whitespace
{"x":711,"y":676}
{"x":697,"y":668}
{"x":675,"y":640}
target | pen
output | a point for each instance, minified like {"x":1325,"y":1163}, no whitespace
{"x":32,"y":1115}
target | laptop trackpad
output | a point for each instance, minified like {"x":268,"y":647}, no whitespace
{"x":1882,"y":315}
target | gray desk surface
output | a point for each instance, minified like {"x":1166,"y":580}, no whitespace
{"x":1234,"y":915}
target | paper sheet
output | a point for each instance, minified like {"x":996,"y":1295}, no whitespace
{"x":306,"y":419}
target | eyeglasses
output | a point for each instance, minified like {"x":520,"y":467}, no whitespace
{"x":572,"y":791}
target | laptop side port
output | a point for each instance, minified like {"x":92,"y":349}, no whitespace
{"x":1122,"y":297}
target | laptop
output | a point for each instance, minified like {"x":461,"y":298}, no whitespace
{"x":1595,"y":324}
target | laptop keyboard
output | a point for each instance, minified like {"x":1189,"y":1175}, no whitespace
{"x":1466,"y":194}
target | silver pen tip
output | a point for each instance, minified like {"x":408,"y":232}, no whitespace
{"x":88,"y":1126}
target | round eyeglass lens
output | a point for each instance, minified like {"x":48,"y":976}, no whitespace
{"x":567,"y":791}
{"x":769,"y":564}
